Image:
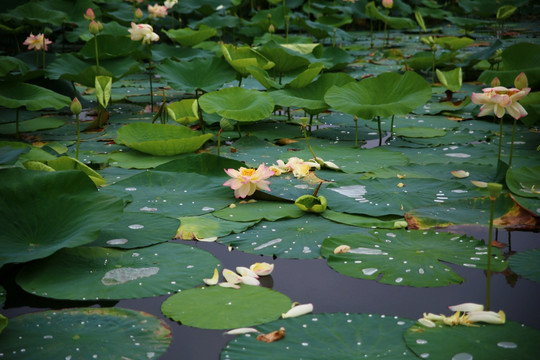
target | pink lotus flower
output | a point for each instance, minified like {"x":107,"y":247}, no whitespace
{"x":89,"y":15}
{"x":143,"y":32}
{"x":388,"y":3}
{"x":245,"y":181}
{"x":500,"y":100}
{"x":37,"y":42}
{"x":157,"y":11}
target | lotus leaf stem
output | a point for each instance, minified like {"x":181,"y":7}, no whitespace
{"x":512,"y":143}
{"x":488,"y":272}
{"x":380,"y":129}
{"x":77,"y":123}
{"x":97,"y":53}
{"x":392,"y":126}
{"x":500,"y":141}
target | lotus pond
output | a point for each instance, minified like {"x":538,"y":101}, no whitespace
{"x":269,"y":179}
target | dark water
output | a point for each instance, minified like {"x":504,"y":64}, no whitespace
{"x":313,"y":281}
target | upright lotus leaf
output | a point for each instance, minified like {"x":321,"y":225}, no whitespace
{"x":485,"y":341}
{"x":103,"y":85}
{"x":525,"y":264}
{"x":105,"y":273}
{"x":161,"y":139}
{"x":328,"y":336}
{"x":17,"y":94}
{"x":42,"y":212}
{"x":37,"y":14}
{"x":393,"y":22}
{"x":453,"y":43}
{"x":524,"y":181}
{"x":238,"y":104}
{"x":408,"y":257}
{"x":385,"y":95}
{"x":262,"y":77}
{"x":285,"y":58}
{"x":207,"y":74}
{"x":188,"y":37}
{"x":452,"y":79}
{"x":184,"y":111}
{"x":306,"y":76}
{"x":242,"y":57}
{"x":208,"y":228}
{"x":69,"y":163}
{"x":216,"y":307}
{"x":130,"y":334}
{"x":10,"y":64}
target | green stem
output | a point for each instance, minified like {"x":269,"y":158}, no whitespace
{"x":512,"y":144}
{"x":199,"y":111}
{"x":219,"y":141}
{"x":151,"y":89}
{"x":238,"y":128}
{"x":356,"y":133}
{"x":308,"y":144}
{"x":97,"y":53}
{"x":433,"y":67}
{"x":77,"y":123}
{"x":488,"y":272}
{"x":380,"y":130}
{"x":500,"y":141}
{"x":392,"y":126}
{"x":371,"y":32}
{"x":386,"y":36}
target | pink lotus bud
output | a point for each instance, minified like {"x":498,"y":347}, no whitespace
{"x":138,"y":13}
{"x":495,"y":82}
{"x":75,"y":107}
{"x":93,"y":27}
{"x":521,"y":82}
{"x":388,"y":3}
{"x":89,"y":15}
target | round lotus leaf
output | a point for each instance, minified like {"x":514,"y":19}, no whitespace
{"x":408,"y":257}
{"x":255,"y":211}
{"x":31,"y":125}
{"x":188,"y":37}
{"x":216,"y":307}
{"x":105,"y":273}
{"x":238,"y":104}
{"x":85,"y":333}
{"x":161,"y":139}
{"x":388,"y":222}
{"x":524,"y":181}
{"x":33,"y":97}
{"x":526,"y":264}
{"x":484,"y":342}
{"x":42,"y":212}
{"x":385,"y":95}
{"x":327,"y":336}
{"x":208,"y":227}
{"x":419,"y":132}
{"x":299,"y":238}
{"x":531,"y":204}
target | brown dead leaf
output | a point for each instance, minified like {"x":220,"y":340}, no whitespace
{"x":285,"y":141}
{"x":272,"y":336}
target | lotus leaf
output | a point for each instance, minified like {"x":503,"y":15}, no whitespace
{"x":9,"y":64}
{"x":453,"y":43}
{"x":188,"y":37}
{"x":161,"y":139}
{"x":418,"y":132}
{"x":33,"y":97}
{"x":260,"y":210}
{"x":113,"y":46}
{"x":37,"y":335}
{"x":203,"y":163}
{"x":69,"y":163}
{"x":526,"y":264}
{"x":452,"y":79}
{"x":217,"y":307}
{"x":208,"y":228}
{"x":408,"y":257}
{"x":394,"y":22}
{"x":103,"y":273}
{"x":390,"y":222}
{"x":238,"y":104}
{"x":184,"y":111}
{"x":346,"y":336}
{"x":242,"y":57}
{"x":31,"y":125}
{"x":285,"y":58}
{"x":43,"y":212}
{"x":524,"y":181}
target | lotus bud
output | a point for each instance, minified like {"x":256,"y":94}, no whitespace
{"x":93,"y":27}
{"x":75,"y":107}
{"x":467,"y":307}
{"x":310,"y":203}
{"x":138,"y":13}
{"x":89,"y":15}
{"x":495,"y":82}
{"x":271,"y":29}
{"x":262,"y":269}
{"x":298,"y":310}
{"x":494,"y":190}
{"x":521,"y":82}
{"x":388,"y":3}
{"x":100,"y":25}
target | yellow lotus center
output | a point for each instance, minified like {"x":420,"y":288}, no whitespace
{"x":247,"y":172}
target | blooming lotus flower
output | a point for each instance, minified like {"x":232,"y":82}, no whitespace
{"x":157,"y":11}
{"x":388,"y":3}
{"x":213,"y":280}
{"x":298,"y":310}
{"x":499,"y":100}
{"x":143,"y":32}
{"x":170,"y":3}
{"x":467,"y":307}
{"x":89,"y":14}
{"x":245,"y":181}
{"x":489,"y":317}
{"x":262,"y":269}
{"x":37,"y":42}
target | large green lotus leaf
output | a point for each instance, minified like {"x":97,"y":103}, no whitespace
{"x":36,"y":124}
{"x":242,"y":57}
{"x":134,"y":159}
{"x":390,"y":222}
{"x":85,"y":273}
{"x":306,"y":76}
{"x":37,"y":14}
{"x":453,"y":43}
{"x":376,"y":197}
{"x":478,"y":154}
{"x":408,"y":257}
{"x":188,"y":37}
{"x":393,"y":22}
{"x":384,"y":95}
{"x":207,"y":74}
{"x":418,"y":132}
{"x":9,"y":64}
{"x":310,"y":97}
{"x":216,"y":307}
{"x":238,"y":104}
{"x":29,"y":152}
{"x":203,"y":163}
{"x":161,"y":139}
{"x":150,"y":229}
{"x":110,"y":47}
{"x":333,"y":58}
{"x":260,"y":210}
{"x":485,"y":342}
{"x":80,"y":331}
{"x":285,"y":58}
{"x":342,"y":336}
{"x":69,"y":163}
{"x":188,"y":194}
{"x":472,"y":211}
{"x":208,"y":227}
{"x":436,"y":107}
{"x":530,"y":204}
{"x":524,"y":181}
{"x":526,"y":264}
{"x":42,"y":212}
{"x":254,"y":151}
{"x":298,"y":238}
{"x":17,"y":94}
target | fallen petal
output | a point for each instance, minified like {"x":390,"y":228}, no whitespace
{"x":214,"y":279}
{"x":298,"y":310}
{"x":231,"y":277}
{"x":272,"y":336}
{"x":244,"y":271}
{"x":262,"y":269}
{"x":249,"y":280}
{"x":426,"y":322}
{"x":489,"y":317}
{"x":467,"y":307}
{"x":460,"y":174}
{"x":342,"y":249}
{"x":480,"y":184}
{"x":229,"y":285}
{"x":239,"y":331}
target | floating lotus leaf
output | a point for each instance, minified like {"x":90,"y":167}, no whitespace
{"x":208,"y":227}
{"x":184,"y":111}
{"x":321,"y":31}
{"x":238,"y":104}
{"x":260,"y":210}
{"x":444,"y":106}
{"x":299,"y":238}
{"x":207,"y":74}
{"x":390,"y":222}
{"x":452,"y":42}
{"x":122,"y":234}
{"x":188,"y":37}
{"x":17,"y":94}
{"x":242,"y":57}
{"x":130,"y":334}
{"x":526,"y":264}
{"x":36,"y":124}
{"x":509,"y":341}
{"x":328,"y":336}
{"x":42,"y":212}
{"x":134,"y":159}
{"x":106,"y":273}
{"x":524,"y":181}
{"x":418,"y":132}
{"x":217,"y":307}
{"x":69,"y":163}
{"x":408,"y":257}
{"x":384,"y":95}
{"x":161,"y":139}
{"x":203,"y":163}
